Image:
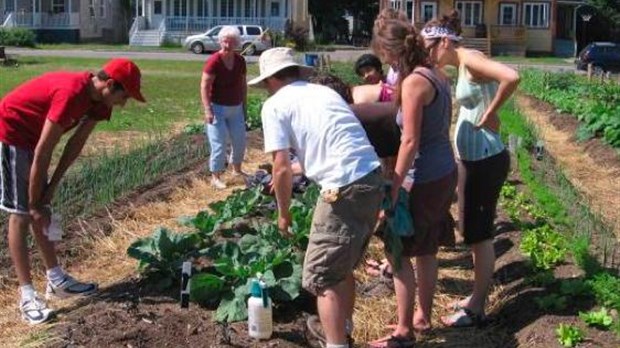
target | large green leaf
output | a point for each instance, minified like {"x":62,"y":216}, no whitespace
{"x":164,"y":244}
{"x":206,"y":288}
{"x":249,"y":243}
{"x":143,"y":250}
{"x":231,"y":309}
{"x":205,"y":223}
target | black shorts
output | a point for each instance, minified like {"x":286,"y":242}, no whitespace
{"x":480,"y":183}
{"x":14,"y":177}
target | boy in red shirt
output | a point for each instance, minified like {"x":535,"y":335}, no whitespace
{"x":33,"y":117}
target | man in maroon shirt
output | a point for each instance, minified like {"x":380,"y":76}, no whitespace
{"x":33,"y":118}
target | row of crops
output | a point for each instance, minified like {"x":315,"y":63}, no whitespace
{"x":596,"y":104}
{"x":234,"y":241}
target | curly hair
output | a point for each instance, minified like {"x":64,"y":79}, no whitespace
{"x":335,"y":83}
{"x":393,"y":37}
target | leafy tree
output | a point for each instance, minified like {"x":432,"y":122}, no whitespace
{"x":329,"y":21}
{"x":609,"y":9}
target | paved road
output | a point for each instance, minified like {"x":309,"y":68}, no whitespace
{"x":338,"y":55}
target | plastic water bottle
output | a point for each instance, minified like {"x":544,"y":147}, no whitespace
{"x":54,"y":230}
{"x":260,"y":317}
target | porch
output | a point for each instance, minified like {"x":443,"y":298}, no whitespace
{"x":156,"y":21}
{"x":40,"y":14}
{"x":201,"y":24}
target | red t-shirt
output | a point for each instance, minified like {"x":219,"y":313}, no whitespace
{"x":61,"y":97}
{"x":227,"y":89}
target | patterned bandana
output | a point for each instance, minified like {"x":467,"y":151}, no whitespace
{"x":437,"y":32}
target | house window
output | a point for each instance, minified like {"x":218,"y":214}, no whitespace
{"x":203,"y":8}
{"x":536,"y":14}
{"x":429,"y":11}
{"x":396,"y":4}
{"x":157,"y":7}
{"x":508,"y":14}
{"x":178,"y":8}
{"x":248,"y":8}
{"x":227,"y":8}
{"x":97,"y":6}
{"x":58,"y":6}
{"x":471,"y":12}
{"x":275,"y":9}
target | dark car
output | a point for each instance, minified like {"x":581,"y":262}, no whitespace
{"x":602,"y":55}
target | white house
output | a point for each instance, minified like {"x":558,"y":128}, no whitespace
{"x":160,"y":20}
{"x":66,"y":20}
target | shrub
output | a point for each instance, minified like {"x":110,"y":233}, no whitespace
{"x":298,"y":35}
{"x":17,"y":37}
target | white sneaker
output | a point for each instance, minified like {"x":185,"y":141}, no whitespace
{"x":217,"y":183}
{"x":35,"y":311}
{"x":69,"y":287}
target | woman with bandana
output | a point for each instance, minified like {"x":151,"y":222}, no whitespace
{"x":482,"y":87}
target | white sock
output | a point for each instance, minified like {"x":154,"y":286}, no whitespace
{"x":55,"y":275}
{"x":27,"y":292}
{"x":330,"y":345}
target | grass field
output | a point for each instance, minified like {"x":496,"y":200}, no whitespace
{"x":170,"y":87}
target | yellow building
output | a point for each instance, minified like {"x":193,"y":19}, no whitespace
{"x":504,"y":26}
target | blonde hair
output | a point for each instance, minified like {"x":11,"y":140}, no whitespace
{"x":229,"y":31}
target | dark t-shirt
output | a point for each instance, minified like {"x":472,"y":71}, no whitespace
{"x":229,"y":84}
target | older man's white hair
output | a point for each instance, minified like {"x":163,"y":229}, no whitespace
{"x":229,"y":31}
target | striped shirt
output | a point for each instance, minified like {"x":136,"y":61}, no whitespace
{"x":474,"y":98}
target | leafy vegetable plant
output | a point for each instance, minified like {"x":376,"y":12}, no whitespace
{"x":600,"y":318}
{"x":544,"y":246}
{"x":569,"y":335}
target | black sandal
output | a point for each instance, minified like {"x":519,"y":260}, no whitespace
{"x":394,"y":342}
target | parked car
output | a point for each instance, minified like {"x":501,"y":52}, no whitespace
{"x":253,"y":40}
{"x":602,"y":55}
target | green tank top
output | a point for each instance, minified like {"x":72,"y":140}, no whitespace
{"x":474,"y":98}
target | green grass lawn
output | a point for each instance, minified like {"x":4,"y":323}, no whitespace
{"x":172,"y":89}
{"x":109,"y":47}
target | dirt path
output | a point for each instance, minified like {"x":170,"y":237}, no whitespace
{"x":592,"y":167}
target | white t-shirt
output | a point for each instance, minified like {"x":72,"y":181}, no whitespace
{"x":318,"y":124}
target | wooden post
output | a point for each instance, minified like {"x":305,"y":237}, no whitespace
{"x":329,"y":63}
{"x":590,"y":72}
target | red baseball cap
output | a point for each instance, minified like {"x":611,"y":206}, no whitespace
{"x":127,"y":73}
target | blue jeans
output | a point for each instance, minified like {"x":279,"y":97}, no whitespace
{"x":228,"y":122}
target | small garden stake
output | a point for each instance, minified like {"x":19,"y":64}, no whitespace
{"x":186,"y":274}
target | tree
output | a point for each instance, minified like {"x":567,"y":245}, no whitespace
{"x":329,"y":16}
{"x":610,"y":9}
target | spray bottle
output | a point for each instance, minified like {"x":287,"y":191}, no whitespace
{"x":260,"y":317}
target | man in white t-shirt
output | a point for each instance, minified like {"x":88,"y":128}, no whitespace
{"x":334,"y":152}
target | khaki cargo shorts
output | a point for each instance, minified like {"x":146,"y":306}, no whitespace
{"x":340,"y":232}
